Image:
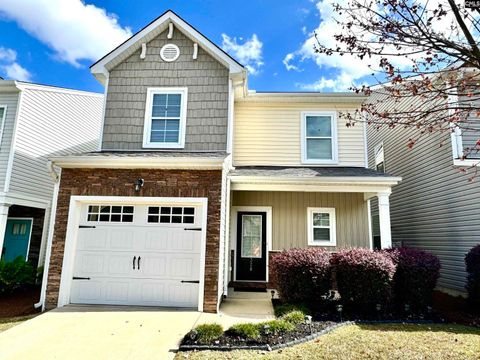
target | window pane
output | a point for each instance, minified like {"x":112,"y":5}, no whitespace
{"x":171,"y":136}
{"x":172,"y":125}
{"x":188,"y":219}
{"x":159,"y":111}
{"x":160,"y":99}
{"x":176,"y":210}
{"x":321,"y":219}
{"x":189,"y":210}
{"x":319,"y":126}
{"x":153,"y":210}
{"x":158,"y":124}
{"x":319,"y":149}
{"x":174,"y":99}
{"x":157,"y":136}
{"x":166,"y":210}
{"x":127,"y":218}
{"x":321,"y":234}
{"x":251,"y":236}
{"x":128,"y":209}
{"x":173,"y":111}
{"x":116,"y":209}
{"x":153,"y":219}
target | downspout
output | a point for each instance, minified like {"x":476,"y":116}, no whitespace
{"x":55,"y":174}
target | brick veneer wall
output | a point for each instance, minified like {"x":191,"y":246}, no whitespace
{"x":119,"y":182}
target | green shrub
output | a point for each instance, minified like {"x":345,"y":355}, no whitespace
{"x":277,"y":326}
{"x":15,"y":275}
{"x":208,"y":333}
{"x":246,"y":331}
{"x":294,"y":317}
{"x":283,"y":309}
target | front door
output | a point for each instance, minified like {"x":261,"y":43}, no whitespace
{"x":251,"y":246}
{"x":17,"y":238}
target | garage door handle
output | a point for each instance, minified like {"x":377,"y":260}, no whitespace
{"x":87,"y":227}
{"x":138,"y":263}
{"x":190,"y":281}
{"x":80,"y":278}
{"x":134,"y":258}
{"x":193,"y":229}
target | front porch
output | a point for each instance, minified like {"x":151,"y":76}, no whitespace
{"x":276,"y":209}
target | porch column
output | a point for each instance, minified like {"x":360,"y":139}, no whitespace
{"x":3,"y":224}
{"x":384,"y":219}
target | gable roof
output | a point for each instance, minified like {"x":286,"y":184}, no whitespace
{"x":157,"y":26}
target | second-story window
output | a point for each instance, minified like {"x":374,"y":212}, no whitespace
{"x":165,"y":117}
{"x":319,"y":138}
{"x":379,"y":158}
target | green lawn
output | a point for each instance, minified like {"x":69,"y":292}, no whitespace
{"x":355,"y":342}
{"x":8,"y":323}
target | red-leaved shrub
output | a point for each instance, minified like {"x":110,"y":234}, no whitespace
{"x":472,"y":262}
{"x":302,"y":275}
{"x":364,"y":278}
{"x":416,"y":276}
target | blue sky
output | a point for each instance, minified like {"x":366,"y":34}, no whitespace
{"x":55,"y":41}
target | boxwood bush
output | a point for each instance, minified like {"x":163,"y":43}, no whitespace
{"x":302,"y":275}
{"x":364,"y":278}
{"x":472,"y":262}
{"x":415,"y":278}
{"x":15,"y":275}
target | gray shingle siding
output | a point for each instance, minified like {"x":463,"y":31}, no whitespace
{"x":207,"y":107}
{"x":435,"y":207}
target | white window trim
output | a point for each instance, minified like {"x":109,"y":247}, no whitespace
{"x":148,"y":118}
{"x":333,"y":226}
{"x":3,"y":119}
{"x":303,"y":140}
{"x":375,"y":151}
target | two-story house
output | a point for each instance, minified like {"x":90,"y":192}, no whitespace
{"x":435,"y":207}
{"x":37,"y":122}
{"x":198,"y":180}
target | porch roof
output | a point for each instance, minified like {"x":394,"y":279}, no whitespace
{"x":335,"y":179}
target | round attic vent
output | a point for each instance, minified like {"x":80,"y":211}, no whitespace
{"x":169,"y":52}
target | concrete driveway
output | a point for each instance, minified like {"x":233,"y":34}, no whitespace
{"x":84,"y":332}
{"x":121,"y":332}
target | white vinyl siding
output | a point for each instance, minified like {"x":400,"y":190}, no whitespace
{"x":51,"y":123}
{"x":165,"y":117}
{"x":10,"y":101}
{"x":270,"y":134}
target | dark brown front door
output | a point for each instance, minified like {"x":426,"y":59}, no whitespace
{"x":251,"y":246}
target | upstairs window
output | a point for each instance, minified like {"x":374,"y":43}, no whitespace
{"x":319,"y":138}
{"x":165,"y":117}
{"x":379,"y":158}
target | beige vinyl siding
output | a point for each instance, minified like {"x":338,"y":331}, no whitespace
{"x":289,"y":216}
{"x":270,"y":134}
{"x":435,"y":207}
{"x":10,"y":100}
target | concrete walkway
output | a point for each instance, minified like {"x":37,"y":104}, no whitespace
{"x":117,"y":332}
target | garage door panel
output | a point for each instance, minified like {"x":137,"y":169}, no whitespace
{"x":91,"y":239}
{"x":92,"y":263}
{"x":122,"y":239}
{"x":165,"y":254}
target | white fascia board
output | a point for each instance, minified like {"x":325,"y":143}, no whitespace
{"x":292,"y":97}
{"x":349,"y":180}
{"x":138,"y":162}
{"x":31,"y":86}
{"x":99,"y":68}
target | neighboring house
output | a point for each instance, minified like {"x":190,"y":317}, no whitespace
{"x":37,"y":122}
{"x":199,"y":179}
{"x":435,"y":207}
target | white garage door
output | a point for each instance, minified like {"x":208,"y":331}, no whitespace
{"x":138,"y":255}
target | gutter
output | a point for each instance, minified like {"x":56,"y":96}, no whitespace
{"x":126,"y":162}
{"x":363,"y":180}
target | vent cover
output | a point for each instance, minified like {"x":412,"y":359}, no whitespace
{"x":169,"y":52}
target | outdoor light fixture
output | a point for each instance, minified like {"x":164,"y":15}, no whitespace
{"x":266,"y":330}
{"x":139,"y":184}
{"x":378,"y":307}
{"x":340,"y":309}
{"x":273,"y":293}
{"x":407,"y":308}
{"x":308,"y":321}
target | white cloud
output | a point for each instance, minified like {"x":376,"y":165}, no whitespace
{"x":10,"y":67}
{"x":350,"y":69}
{"x":74,"y":30}
{"x":249,"y":53}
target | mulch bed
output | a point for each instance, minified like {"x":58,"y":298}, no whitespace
{"x":228,"y":341}
{"x":455,"y":309}
{"x":19,"y":303}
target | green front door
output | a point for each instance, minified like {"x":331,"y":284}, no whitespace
{"x":17,"y":238}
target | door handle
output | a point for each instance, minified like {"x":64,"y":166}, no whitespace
{"x":134,"y":258}
{"x":138,"y":263}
